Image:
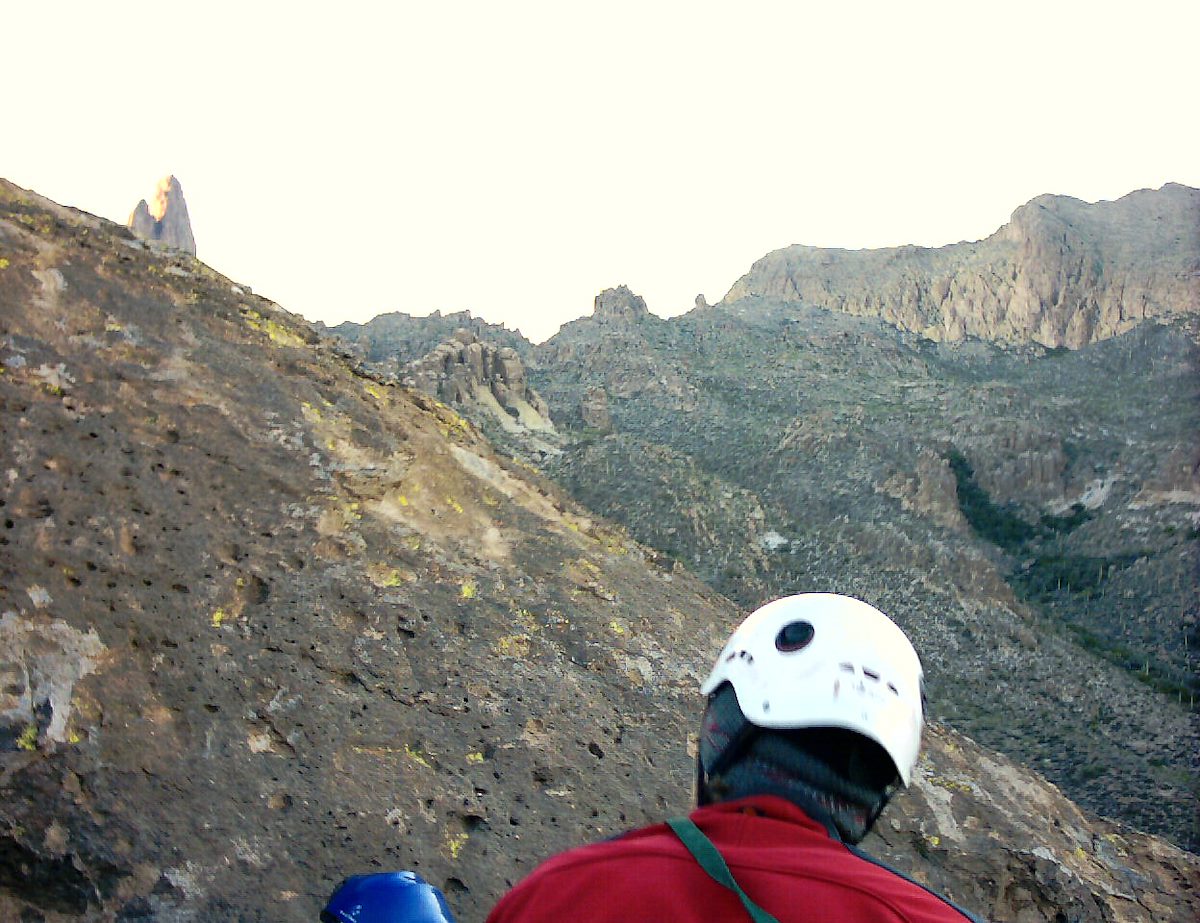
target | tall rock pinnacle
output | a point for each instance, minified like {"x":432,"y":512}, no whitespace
{"x":167,"y":220}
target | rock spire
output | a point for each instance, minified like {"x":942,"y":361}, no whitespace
{"x":167,"y":220}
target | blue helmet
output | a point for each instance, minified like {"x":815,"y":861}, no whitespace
{"x":387,"y":897}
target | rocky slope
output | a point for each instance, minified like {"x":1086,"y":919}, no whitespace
{"x":1028,"y":509}
{"x":1061,"y":273}
{"x":1029,"y":514}
{"x":167,"y":221}
{"x":268,"y":621}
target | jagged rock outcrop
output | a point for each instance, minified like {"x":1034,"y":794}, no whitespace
{"x":466,"y":370}
{"x":166,"y":221}
{"x":619,"y":305}
{"x":613,"y":344}
{"x":1016,"y":461}
{"x":931,"y":490}
{"x":1061,"y":273}
{"x":390,"y":341}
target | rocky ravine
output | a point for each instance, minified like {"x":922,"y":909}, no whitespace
{"x":1061,"y":273}
{"x":268,"y":621}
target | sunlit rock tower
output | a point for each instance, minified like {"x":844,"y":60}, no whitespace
{"x":167,"y":220}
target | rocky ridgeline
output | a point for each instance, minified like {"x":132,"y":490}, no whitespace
{"x":467,"y":372}
{"x":392,"y":340}
{"x":613,"y":349}
{"x":1061,"y":273}
{"x":167,"y":221}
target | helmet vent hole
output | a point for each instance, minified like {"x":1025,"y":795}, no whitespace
{"x":794,"y":636}
{"x":892,"y":686}
{"x":847,"y":667}
{"x":870,"y":674}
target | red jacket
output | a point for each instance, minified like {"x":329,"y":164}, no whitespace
{"x":785,"y":862}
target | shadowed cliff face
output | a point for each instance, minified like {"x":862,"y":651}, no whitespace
{"x":1060,"y":273}
{"x":266,"y":621}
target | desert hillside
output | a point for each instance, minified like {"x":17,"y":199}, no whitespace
{"x":268,"y":619}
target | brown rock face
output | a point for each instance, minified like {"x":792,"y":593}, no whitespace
{"x":167,"y":221}
{"x":1060,"y":273}
{"x":932,"y":491}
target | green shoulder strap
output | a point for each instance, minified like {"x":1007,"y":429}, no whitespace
{"x":711,"y":861}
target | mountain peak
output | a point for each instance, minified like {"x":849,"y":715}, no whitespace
{"x":619,"y":304}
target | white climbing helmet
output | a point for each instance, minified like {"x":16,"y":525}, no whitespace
{"x":826,"y":660}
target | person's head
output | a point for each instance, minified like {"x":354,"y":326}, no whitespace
{"x":386,"y":897}
{"x":817,"y":698}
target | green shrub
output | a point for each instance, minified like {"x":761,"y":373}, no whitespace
{"x":998,"y":525}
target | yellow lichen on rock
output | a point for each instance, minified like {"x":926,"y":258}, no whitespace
{"x":455,"y":843}
{"x":310,"y":412}
{"x":385,"y":576}
{"x":28,"y":738}
{"x":514,"y":646}
{"x":416,"y":757}
{"x":275,"y":331}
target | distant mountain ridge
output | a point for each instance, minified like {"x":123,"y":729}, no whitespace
{"x":1062,"y":272}
{"x":392,"y":339}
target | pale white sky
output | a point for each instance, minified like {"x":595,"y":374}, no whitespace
{"x":513,"y":159}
